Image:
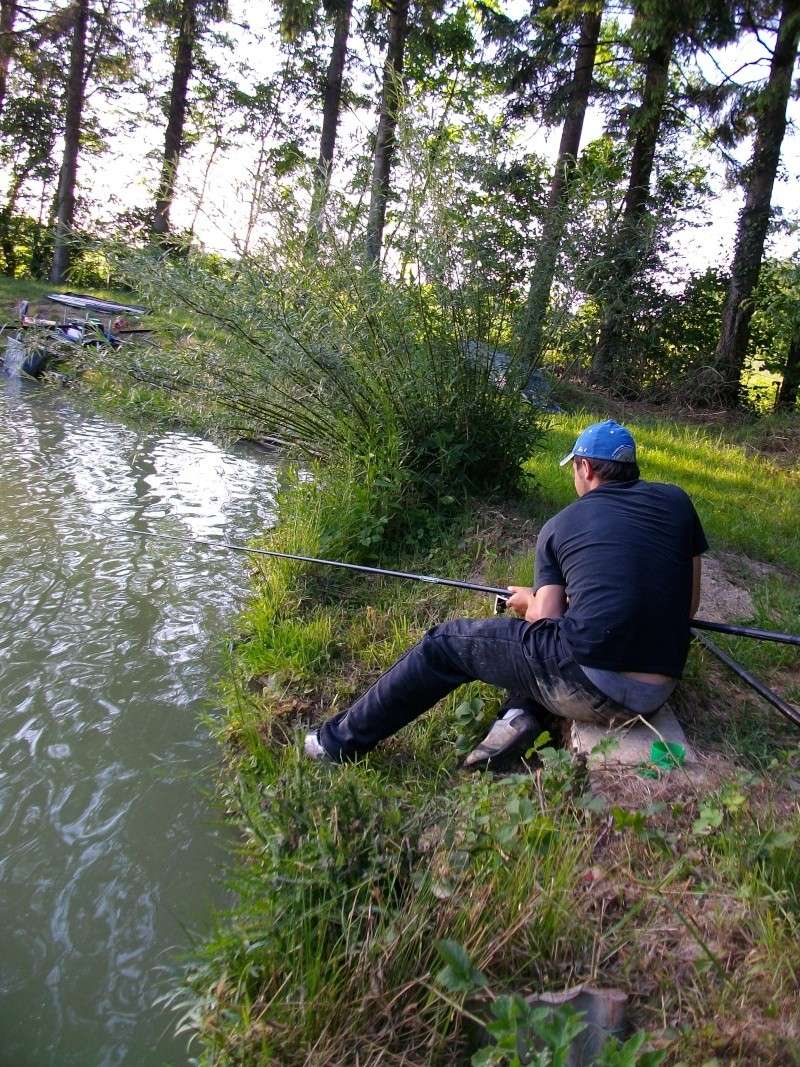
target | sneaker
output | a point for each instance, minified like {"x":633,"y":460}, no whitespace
{"x":510,"y":736}
{"x":314,"y":750}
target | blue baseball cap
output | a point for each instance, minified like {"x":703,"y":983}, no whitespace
{"x":604,"y":440}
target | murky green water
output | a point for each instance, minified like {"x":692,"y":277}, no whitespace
{"x":110,"y":849}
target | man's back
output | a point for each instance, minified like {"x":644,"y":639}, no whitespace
{"x":624,"y":553}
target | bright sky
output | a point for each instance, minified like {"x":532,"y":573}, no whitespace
{"x":126,"y":176}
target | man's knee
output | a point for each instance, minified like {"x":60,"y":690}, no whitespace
{"x":464,"y":628}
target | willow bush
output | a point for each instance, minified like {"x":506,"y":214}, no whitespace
{"x":343,"y":368}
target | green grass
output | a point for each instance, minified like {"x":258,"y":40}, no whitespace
{"x":351,"y":875}
{"x":14,"y":289}
{"x":745,"y":502}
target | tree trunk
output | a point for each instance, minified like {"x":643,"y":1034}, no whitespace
{"x":330,"y":117}
{"x":630,"y":241}
{"x":754,"y":219}
{"x":42,"y":238}
{"x":7,"y":226}
{"x":173,"y":138}
{"x":786,"y":399}
{"x":8,"y":16}
{"x":385,"y":145}
{"x":65,"y":196}
{"x":558,"y":199}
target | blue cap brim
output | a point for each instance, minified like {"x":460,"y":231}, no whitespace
{"x":566,"y":459}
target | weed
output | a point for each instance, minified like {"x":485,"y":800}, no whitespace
{"x":520,"y":1032}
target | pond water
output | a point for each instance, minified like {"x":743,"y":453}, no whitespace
{"x":111,"y":849}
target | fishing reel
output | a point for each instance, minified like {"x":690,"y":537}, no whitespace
{"x":500,"y":604}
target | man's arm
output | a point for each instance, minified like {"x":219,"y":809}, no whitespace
{"x":697,"y":576}
{"x":548,"y":602}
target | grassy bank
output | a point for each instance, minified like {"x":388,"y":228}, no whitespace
{"x":353,"y":881}
{"x":113,"y":388}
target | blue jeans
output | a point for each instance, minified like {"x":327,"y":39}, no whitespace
{"x":529,"y":659}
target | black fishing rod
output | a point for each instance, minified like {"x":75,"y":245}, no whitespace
{"x":501,"y":594}
{"x":787,"y":710}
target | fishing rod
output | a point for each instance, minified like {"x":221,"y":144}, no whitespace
{"x":501,"y":594}
{"x":787,"y":710}
{"x":501,"y":597}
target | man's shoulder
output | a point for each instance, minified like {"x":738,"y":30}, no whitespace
{"x":561,"y":517}
{"x":667,"y":490}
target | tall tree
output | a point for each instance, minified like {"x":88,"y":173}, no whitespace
{"x":754,"y":218}
{"x":789,"y":390}
{"x":655,"y":41}
{"x":8,"y":17}
{"x":190,"y":20}
{"x":176,"y":115}
{"x":775,"y":325}
{"x":331,"y":106}
{"x":75,"y":96}
{"x":558,"y":198}
{"x":299,"y":18}
{"x":385,"y":143}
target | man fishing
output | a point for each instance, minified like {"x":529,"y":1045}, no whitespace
{"x":602,"y":636}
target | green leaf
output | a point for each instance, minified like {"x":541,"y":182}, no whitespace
{"x":558,"y":1029}
{"x":710,"y":820}
{"x":459,"y":976}
{"x":615,"y":1054}
{"x":776,"y":841}
{"x":629,"y":820}
{"x":506,"y":833}
{"x":486,"y":1057}
{"x":666,"y":755}
{"x":592,"y":802}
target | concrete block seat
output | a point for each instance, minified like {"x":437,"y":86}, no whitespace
{"x":634,"y":740}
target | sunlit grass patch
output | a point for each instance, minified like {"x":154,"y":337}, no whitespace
{"x":744,"y":501}
{"x":297,"y":647}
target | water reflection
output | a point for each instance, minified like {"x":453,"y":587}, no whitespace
{"x":108,"y":848}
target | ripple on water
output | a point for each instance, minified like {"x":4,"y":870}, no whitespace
{"x":108,"y":847}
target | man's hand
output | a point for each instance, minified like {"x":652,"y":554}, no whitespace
{"x":548,"y":602}
{"x":521,"y":601}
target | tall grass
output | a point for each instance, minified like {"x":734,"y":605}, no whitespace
{"x":325,"y":358}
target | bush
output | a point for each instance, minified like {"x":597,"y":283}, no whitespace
{"x":394,"y":381}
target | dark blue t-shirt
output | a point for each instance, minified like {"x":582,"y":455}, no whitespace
{"x":624,"y":553}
